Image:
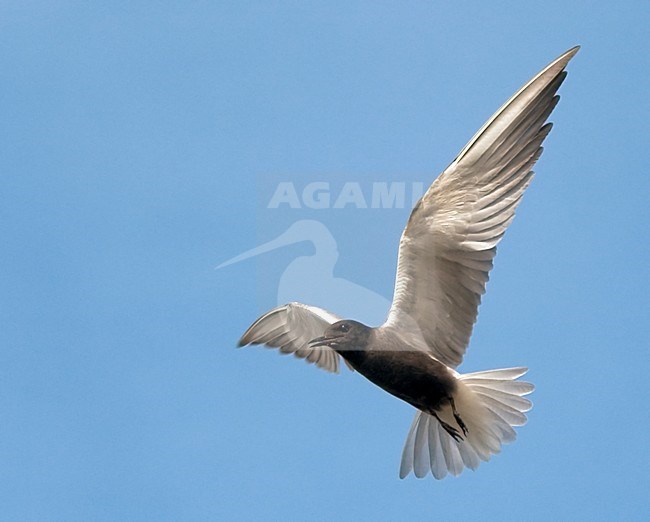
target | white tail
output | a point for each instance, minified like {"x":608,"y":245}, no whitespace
{"x":489,"y":403}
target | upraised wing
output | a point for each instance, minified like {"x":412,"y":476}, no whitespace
{"x":290,"y":328}
{"x":448,"y":245}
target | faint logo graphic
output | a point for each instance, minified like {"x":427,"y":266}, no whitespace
{"x":310,"y":278}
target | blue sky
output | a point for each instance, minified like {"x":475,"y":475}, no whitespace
{"x":141,"y":147}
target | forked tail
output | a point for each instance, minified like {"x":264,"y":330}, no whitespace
{"x":489,"y":403}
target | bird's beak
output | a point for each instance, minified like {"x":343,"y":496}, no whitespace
{"x":319,"y":341}
{"x":324,"y":341}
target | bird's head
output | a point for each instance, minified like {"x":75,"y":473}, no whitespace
{"x":344,"y":335}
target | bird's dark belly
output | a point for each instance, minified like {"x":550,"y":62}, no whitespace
{"x":414,"y":377}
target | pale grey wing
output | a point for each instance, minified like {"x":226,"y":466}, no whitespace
{"x":290,"y":328}
{"x":447,"y":248}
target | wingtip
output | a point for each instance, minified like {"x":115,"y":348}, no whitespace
{"x":568,"y":54}
{"x":561,"y":61}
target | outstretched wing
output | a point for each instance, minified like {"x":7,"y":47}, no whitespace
{"x":290,"y":328}
{"x":446,"y":250}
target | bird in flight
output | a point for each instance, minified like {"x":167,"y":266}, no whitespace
{"x":445,"y":256}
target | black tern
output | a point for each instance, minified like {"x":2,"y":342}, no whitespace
{"x":445,"y":255}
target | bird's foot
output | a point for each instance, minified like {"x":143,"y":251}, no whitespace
{"x":457,"y":416}
{"x":461,"y":423}
{"x":449,"y":429}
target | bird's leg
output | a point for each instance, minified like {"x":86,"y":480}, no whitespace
{"x":452,"y":431}
{"x":457,"y":417}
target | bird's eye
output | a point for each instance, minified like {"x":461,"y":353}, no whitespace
{"x":344,"y":327}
